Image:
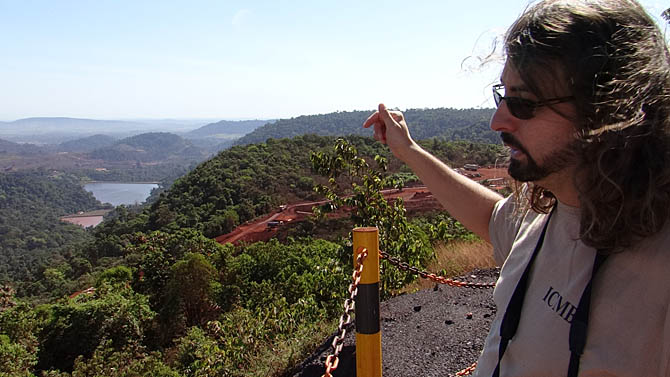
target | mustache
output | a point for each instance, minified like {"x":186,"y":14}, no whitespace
{"x":512,"y":142}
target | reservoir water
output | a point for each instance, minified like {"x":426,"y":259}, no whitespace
{"x":120,"y":193}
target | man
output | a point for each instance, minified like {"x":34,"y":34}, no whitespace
{"x":584,"y":241}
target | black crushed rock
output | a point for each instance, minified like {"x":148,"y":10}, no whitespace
{"x":433,"y":332}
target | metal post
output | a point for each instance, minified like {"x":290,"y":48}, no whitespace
{"x":368,"y":328}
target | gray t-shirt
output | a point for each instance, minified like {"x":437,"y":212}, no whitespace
{"x":629,"y":327}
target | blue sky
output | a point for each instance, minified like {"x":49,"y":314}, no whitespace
{"x":228,"y":59}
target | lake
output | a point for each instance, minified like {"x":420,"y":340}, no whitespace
{"x":120,"y":193}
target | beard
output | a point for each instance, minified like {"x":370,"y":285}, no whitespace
{"x":530,"y":170}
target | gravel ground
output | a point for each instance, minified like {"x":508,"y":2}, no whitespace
{"x":433,"y":332}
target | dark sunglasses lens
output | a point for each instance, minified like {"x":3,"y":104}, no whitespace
{"x":520,"y":108}
{"x":496,"y":97}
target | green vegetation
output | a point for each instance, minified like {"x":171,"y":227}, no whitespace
{"x":217,"y":309}
{"x":36,"y":249}
{"x":445,"y":124}
{"x":153,"y":146}
{"x":8,"y":147}
{"x":87,"y":144}
{"x":164,"y":299}
{"x":396,"y":235}
{"x":226,"y":127}
{"x":245,"y":182}
{"x":156,"y":157}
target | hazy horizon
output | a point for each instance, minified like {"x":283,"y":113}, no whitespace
{"x":185,"y":119}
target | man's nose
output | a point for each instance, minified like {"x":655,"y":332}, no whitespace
{"x":502,"y":120}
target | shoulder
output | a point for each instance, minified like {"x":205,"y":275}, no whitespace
{"x":507,"y":220}
{"x":650,"y":257}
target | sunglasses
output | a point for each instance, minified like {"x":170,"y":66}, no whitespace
{"x":524,"y":108}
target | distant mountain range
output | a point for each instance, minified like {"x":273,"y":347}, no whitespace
{"x":54,"y":130}
{"x":105,"y":154}
{"x":84,"y":148}
{"x":41,"y":126}
{"x":445,"y":123}
{"x":218,"y":136}
{"x":226,"y":128}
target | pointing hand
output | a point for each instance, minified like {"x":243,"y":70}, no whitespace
{"x":390,"y":129}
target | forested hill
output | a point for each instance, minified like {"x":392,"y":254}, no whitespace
{"x":31,"y":236}
{"x":448,"y":124}
{"x":227,"y":127}
{"x":239,"y":184}
{"x":8,"y":147}
{"x":248,"y":181}
{"x":87,"y":144}
{"x":152,"y":146}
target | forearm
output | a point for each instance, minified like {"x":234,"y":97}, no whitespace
{"x":467,"y":201}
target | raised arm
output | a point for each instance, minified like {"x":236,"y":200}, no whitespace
{"x":466,"y":200}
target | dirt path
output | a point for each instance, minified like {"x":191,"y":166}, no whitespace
{"x":415,"y":198}
{"x":259,"y":230}
{"x":434,"y":332}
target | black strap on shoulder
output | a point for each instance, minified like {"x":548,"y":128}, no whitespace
{"x":580,"y":321}
{"x":578,"y":326}
{"x":510,"y":321}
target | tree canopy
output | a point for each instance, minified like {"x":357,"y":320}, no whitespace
{"x":149,"y":292}
{"x":447,"y":124}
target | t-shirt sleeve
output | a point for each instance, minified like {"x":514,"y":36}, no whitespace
{"x":503,"y":228}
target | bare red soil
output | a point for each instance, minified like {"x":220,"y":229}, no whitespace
{"x":86,"y":219}
{"x":416,"y":199}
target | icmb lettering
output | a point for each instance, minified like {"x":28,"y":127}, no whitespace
{"x":564,"y":308}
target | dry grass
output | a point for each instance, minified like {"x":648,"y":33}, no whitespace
{"x":279,"y":358}
{"x":451,"y":259}
{"x":456,"y":258}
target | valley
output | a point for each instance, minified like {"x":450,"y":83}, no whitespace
{"x":227,"y":245}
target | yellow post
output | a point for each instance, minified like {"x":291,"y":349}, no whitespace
{"x":368,"y":329}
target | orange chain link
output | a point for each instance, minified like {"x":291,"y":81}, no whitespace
{"x":429,"y":275}
{"x":438,"y":279}
{"x":332,"y":361}
{"x":467,"y":371}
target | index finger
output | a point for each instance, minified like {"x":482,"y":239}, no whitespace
{"x":372,"y":119}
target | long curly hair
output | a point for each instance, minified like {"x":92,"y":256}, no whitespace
{"x":616,"y":64}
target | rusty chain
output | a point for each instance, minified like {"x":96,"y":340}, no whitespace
{"x":467,"y":371}
{"x":438,"y":279}
{"x":332,"y":360}
{"x":429,"y":275}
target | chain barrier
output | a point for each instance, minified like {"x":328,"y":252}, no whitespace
{"x":441,"y":280}
{"x":429,"y":275}
{"x":467,"y":371}
{"x":332,"y":361}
